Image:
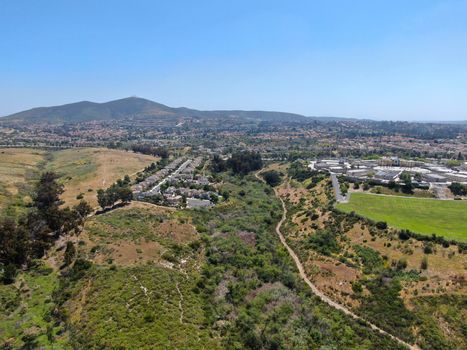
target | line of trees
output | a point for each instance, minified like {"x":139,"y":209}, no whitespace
{"x":26,"y":238}
{"x":120,"y":191}
{"x":151,"y":150}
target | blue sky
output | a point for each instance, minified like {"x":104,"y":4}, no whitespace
{"x":394,"y":59}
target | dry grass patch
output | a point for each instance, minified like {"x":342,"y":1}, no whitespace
{"x":17,"y":167}
{"x":85,"y":170}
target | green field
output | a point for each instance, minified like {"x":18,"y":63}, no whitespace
{"x":427,"y":216}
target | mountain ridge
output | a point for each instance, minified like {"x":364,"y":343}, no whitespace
{"x":132,"y":107}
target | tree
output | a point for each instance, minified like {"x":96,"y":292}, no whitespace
{"x":82,"y":209}
{"x":407,"y":179}
{"x":9,"y":274}
{"x":14,"y":244}
{"x":126,"y":179}
{"x":272,"y":178}
{"x":218,"y":165}
{"x":70,"y":253}
{"x":46,"y":200}
{"x":214,"y":198}
{"x":125,"y":194}
{"x":244,"y":162}
{"x":102,"y":198}
{"x":298,"y":171}
{"x":47,"y":220}
{"x":119,"y":191}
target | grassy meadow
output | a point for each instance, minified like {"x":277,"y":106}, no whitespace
{"x":426,"y":216}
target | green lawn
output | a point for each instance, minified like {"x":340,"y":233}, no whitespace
{"x":427,"y":216}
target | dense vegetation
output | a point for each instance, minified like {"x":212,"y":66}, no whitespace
{"x":149,"y":149}
{"x":29,"y":237}
{"x":458,"y":189}
{"x":241,"y":162}
{"x":253,"y":295}
{"x":272,"y":177}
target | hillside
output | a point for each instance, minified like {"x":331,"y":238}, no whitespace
{"x":82,"y":171}
{"x":132,"y":107}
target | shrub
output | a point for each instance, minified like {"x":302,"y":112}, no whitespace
{"x":428,"y":249}
{"x":424,"y":263}
{"x":401,"y":264}
{"x":381,"y":225}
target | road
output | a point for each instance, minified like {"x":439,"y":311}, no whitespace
{"x":313,"y":288}
{"x":337,"y":189}
{"x":156,"y":188}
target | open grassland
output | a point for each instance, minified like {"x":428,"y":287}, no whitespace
{"x":85,"y":170}
{"x":427,"y":216}
{"x":18,"y":167}
{"x":82,"y":171}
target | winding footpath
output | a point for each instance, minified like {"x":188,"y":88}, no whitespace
{"x":313,"y":288}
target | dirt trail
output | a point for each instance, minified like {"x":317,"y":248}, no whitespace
{"x":180,"y":302}
{"x":314,"y":289}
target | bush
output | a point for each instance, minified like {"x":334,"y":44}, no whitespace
{"x":9,"y":274}
{"x":324,"y":242}
{"x":401,"y":264}
{"x":428,"y":249}
{"x":381,"y":225}
{"x":404,"y":235}
{"x":424,"y":263}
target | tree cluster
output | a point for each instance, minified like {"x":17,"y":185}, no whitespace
{"x":120,"y":191}
{"x":239,"y":163}
{"x":151,"y":150}
{"x":272,"y":177}
{"x":30,"y":236}
{"x":299,"y":171}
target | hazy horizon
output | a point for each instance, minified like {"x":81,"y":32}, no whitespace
{"x":357,"y":59}
{"x":227,"y":109}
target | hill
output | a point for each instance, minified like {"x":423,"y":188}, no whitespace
{"x":82,"y":171}
{"x":133,"y":107}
